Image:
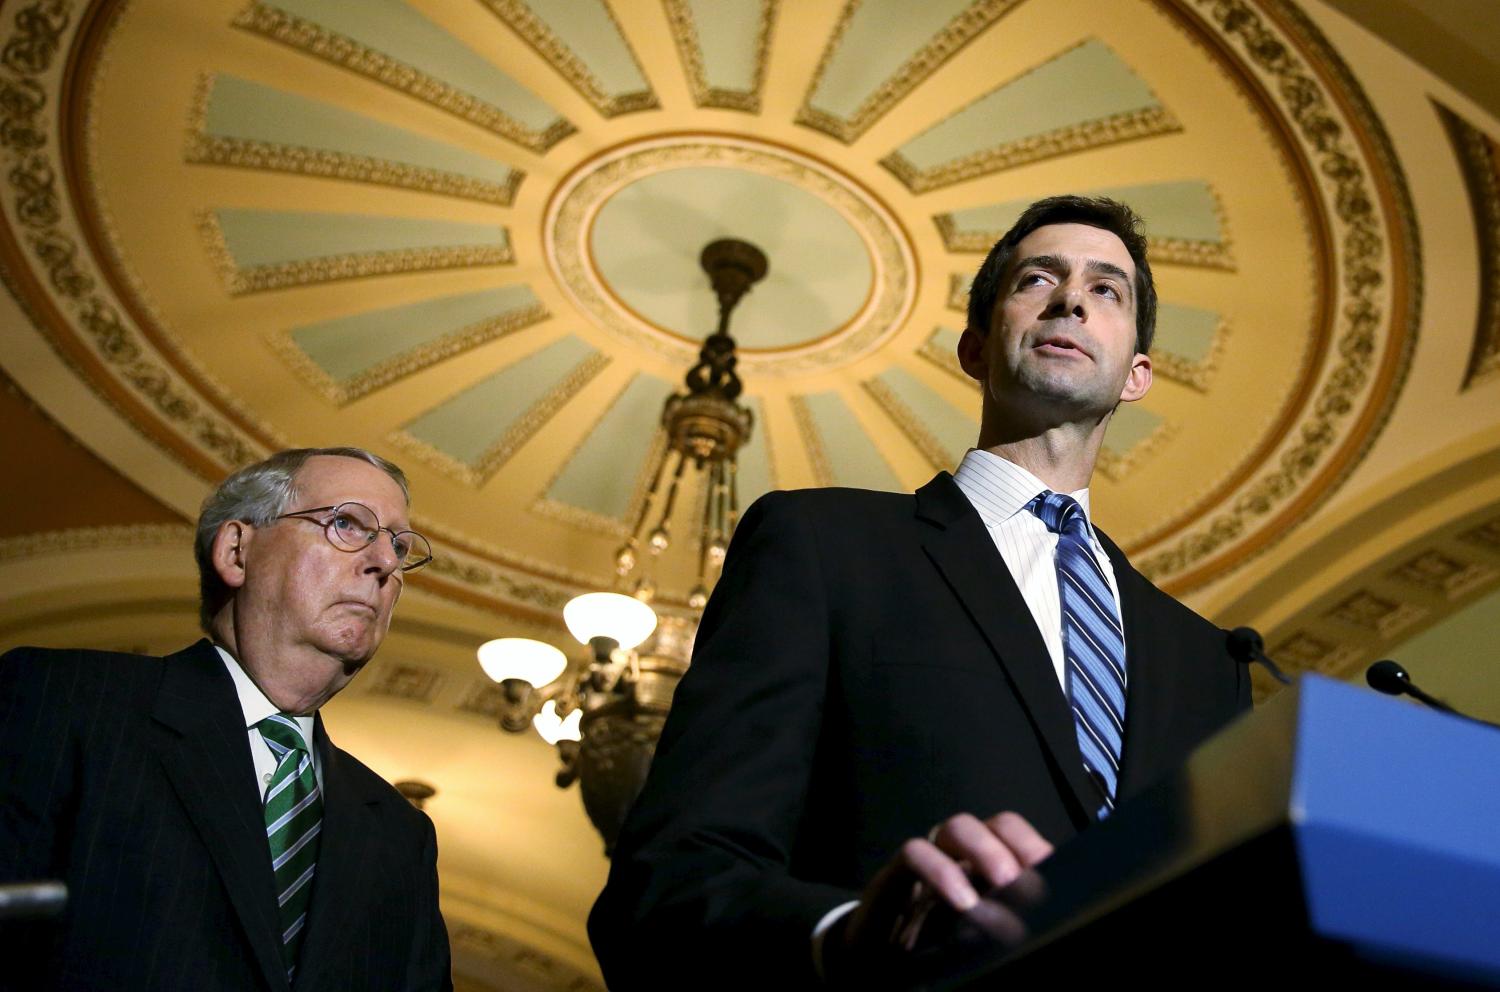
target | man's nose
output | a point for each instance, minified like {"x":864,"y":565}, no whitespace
{"x":1067,"y":299}
{"x":380,"y":555}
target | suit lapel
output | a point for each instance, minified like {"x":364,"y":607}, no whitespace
{"x":964,"y":553}
{"x":348,"y":858}
{"x":206,"y":756}
{"x":1144,"y":686}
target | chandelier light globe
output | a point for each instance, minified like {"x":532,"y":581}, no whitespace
{"x":623,"y":619}
{"x":554,"y":728}
{"x":523,"y":659}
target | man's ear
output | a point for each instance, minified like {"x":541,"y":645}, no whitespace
{"x":971,"y":355}
{"x":230,"y":549}
{"x":1139,"y":380}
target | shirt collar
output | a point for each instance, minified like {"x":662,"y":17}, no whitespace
{"x":999,"y":489}
{"x":253,"y":702}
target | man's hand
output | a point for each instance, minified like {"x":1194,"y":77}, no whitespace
{"x":961,"y":856}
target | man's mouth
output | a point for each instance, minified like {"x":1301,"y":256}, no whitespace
{"x":1061,"y":343}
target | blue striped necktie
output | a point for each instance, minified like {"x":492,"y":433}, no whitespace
{"x":294,"y":816}
{"x":1093,"y":643}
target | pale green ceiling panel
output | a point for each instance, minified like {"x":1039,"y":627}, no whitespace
{"x":400,"y":31}
{"x":1187,"y":332}
{"x":349,"y":346}
{"x":880,"y":37}
{"x":273,"y":237}
{"x":943,"y":431}
{"x":1131,"y":424}
{"x":587,"y":28}
{"x":1085,"y":83}
{"x":1187,"y":210}
{"x":727,"y":34}
{"x":238,"y":108}
{"x":468,"y":426}
{"x":843,"y":454}
{"x":945,"y":339}
{"x":602,"y":476}
{"x":753,"y":462}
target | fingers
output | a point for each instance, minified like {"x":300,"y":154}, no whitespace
{"x":936,"y":869}
{"x":1020,"y":837}
{"x":980,"y":846}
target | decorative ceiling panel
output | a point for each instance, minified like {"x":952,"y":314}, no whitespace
{"x":723,"y":45}
{"x":241,"y":123}
{"x":1479,"y":158}
{"x":940,"y":430}
{"x":842,"y":452}
{"x":582,"y":40}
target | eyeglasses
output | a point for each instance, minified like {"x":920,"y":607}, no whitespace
{"x":354,"y":527}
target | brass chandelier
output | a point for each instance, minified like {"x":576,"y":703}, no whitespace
{"x":606,"y":714}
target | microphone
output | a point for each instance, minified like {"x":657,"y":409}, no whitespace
{"x":1390,"y":678}
{"x":1247,"y":647}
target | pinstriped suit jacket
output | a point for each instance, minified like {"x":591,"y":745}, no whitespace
{"x":130,"y":778}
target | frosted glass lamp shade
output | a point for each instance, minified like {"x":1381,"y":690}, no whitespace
{"x":624,"y":619}
{"x":521,"y":658}
{"x":554,"y":728}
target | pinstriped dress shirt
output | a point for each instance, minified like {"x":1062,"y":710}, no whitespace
{"x":1000,"y":491}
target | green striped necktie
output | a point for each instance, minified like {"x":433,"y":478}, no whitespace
{"x":294,"y":815}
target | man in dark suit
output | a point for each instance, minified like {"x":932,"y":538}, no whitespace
{"x":210,"y":834}
{"x":877,"y":672}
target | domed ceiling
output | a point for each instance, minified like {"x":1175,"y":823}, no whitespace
{"x":466,"y":236}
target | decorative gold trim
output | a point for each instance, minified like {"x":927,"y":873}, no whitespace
{"x":1195,"y":375}
{"x":958,"y":292}
{"x":1443,"y":574}
{"x":812,"y":440}
{"x":945,"y":359}
{"x":332,"y":268}
{"x":549,"y":46}
{"x":1115,"y":466}
{"x":342,"y":391}
{"x":911,"y":425}
{"x":962,"y":29}
{"x":546,"y":970}
{"x":32,"y":179}
{"x":1142,"y":123}
{"x":204,"y":148}
{"x":115,"y":536}
{"x":1176,"y":251}
{"x":313,"y":39}
{"x":574,"y":207}
{"x":1480,"y":166}
{"x":518,"y":433}
{"x":690,"y":52}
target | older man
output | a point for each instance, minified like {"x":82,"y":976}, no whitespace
{"x":895,"y":699}
{"x":210,"y":834}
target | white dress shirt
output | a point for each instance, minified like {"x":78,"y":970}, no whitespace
{"x":999,"y":491}
{"x":256,"y":708}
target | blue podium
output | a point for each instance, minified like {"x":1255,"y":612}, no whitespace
{"x":1332,"y":834}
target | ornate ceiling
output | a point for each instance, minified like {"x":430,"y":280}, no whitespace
{"x":465,"y":235}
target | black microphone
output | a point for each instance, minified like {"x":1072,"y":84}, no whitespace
{"x":1390,"y":678}
{"x":1247,"y":647}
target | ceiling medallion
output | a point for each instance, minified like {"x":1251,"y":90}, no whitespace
{"x":872,"y":246}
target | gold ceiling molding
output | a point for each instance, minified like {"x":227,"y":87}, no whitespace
{"x":1408,"y":590}
{"x":340,"y":392}
{"x":812,"y":441}
{"x":177,"y":536}
{"x":52,"y":277}
{"x":905,"y":418}
{"x":958,"y":291}
{"x":333,"y":268}
{"x":1480,"y":164}
{"x":244,"y":153}
{"x":520,"y":431}
{"x":1116,"y":465}
{"x":515,"y":956}
{"x":690,"y":52}
{"x":1187,"y":372}
{"x":957,"y":33}
{"x":1361,"y":197}
{"x":588,"y":520}
{"x":578,"y":198}
{"x":946,"y":359}
{"x":273,"y":23}
{"x":549,"y":46}
{"x":1128,"y":126}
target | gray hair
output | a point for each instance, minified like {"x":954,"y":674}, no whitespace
{"x":258,"y":494}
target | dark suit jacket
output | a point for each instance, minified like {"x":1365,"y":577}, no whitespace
{"x":130,"y":778}
{"x":865,"y":669}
